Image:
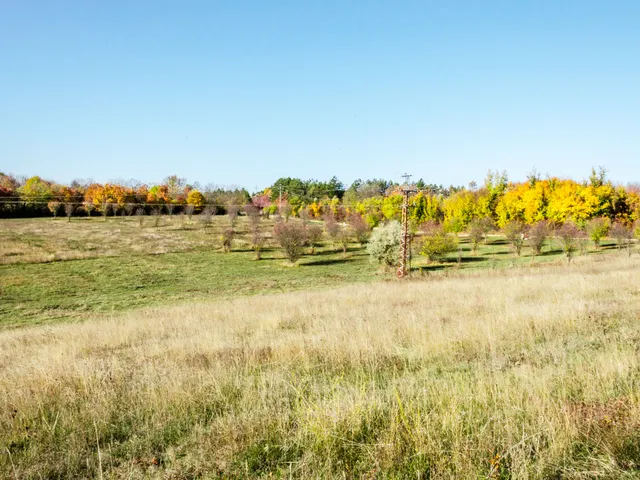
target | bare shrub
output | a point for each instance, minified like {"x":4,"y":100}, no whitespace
{"x":170,"y":208}
{"x":188,"y":210}
{"x":313,"y":237}
{"x":69,"y":208}
{"x":291,"y":237}
{"x":156,"y":211}
{"x":88,"y":207}
{"x":232,"y":214}
{"x":597,"y":229}
{"x":478,"y":229}
{"x":140,"y":215}
{"x":304,"y":216}
{"x":361,"y":229}
{"x":286,"y":210}
{"x":515,"y":231}
{"x":114,"y":208}
{"x":253,"y":214}
{"x":258,"y":241}
{"x":129,"y":208}
{"x":331,"y":226}
{"x":569,"y":235}
{"x":623,"y":236}
{"x":344,"y":238}
{"x":206,"y":216}
{"x":258,"y":238}
{"x":537,"y":236}
{"x":227,"y":239}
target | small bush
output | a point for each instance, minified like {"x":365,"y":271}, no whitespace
{"x":331,"y":226}
{"x":232,"y":214}
{"x":344,"y":237}
{"x":88,"y":207}
{"x":623,"y":236}
{"x":384,"y":244}
{"x":361,"y":229}
{"x":478,"y":230}
{"x":436,"y":243}
{"x":313,"y":237}
{"x":189,"y":209}
{"x":156,"y":211}
{"x":206,"y":216}
{"x":291,"y":237}
{"x":538,"y":235}
{"x":515,"y":232}
{"x":258,"y":240}
{"x":597,"y":229}
{"x":68,"y":210}
{"x":54,"y":207}
{"x":129,"y":208}
{"x":569,"y":235}
{"x":227,"y":239}
{"x":140,"y":215}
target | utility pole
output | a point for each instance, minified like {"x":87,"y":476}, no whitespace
{"x":280,"y":201}
{"x":404,"y":240}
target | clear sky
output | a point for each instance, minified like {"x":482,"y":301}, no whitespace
{"x":239,"y":92}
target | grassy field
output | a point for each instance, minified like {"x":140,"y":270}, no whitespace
{"x":54,"y":270}
{"x":194,"y":363}
{"x":519,"y":373}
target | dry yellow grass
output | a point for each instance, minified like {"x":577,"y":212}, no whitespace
{"x":529,"y":373}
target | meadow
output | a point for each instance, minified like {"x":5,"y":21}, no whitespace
{"x":126,"y":355}
{"x":52,"y":270}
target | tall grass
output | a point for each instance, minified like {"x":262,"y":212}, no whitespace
{"x":529,"y":373}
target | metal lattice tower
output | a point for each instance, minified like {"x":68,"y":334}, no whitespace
{"x":404,"y":240}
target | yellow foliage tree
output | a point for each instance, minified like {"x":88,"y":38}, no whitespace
{"x":196,"y":199}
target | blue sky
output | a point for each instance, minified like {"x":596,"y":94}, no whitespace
{"x":242,"y":92}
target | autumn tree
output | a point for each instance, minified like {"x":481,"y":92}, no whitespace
{"x":196,"y":201}
{"x":36,"y":190}
{"x":54,"y":207}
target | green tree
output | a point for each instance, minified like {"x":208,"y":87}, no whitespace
{"x":597,"y":229}
{"x":436,"y":243}
{"x":36,"y":190}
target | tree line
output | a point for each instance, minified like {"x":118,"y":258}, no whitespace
{"x":551,"y":199}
